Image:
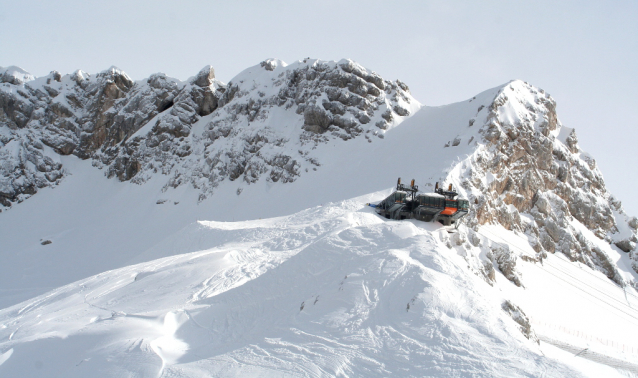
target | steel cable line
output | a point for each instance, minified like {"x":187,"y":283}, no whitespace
{"x":586,"y":284}
{"x":598,"y":278}
{"x":607,"y":281}
{"x":579,"y":288}
{"x":588,"y":293}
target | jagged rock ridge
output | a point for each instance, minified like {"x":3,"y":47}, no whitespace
{"x":529,"y":175}
{"x":313,"y":102}
{"x":137,"y":129}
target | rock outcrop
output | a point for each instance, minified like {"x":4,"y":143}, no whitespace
{"x":529,"y":175}
{"x":91,"y":117}
{"x":315,"y":102}
{"x":134,"y":130}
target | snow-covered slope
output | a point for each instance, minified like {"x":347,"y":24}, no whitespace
{"x":330,"y":291}
{"x":97,"y":224}
{"x":146,"y":160}
{"x":333,"y":290}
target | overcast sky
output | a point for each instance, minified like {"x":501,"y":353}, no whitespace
{"x":584,"y":53}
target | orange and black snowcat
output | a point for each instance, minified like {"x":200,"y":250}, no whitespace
{"x":440,"y":206}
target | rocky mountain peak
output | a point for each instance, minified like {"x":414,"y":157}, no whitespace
{"x":205,"y":77}
{"x":531,"y":176}
{"x":293,"y":108}
{"x":14,"y":75}
{"x":135,"y":130}
{"x":117,"y":77}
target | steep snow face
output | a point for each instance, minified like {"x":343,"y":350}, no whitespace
{"x":330,"y":291}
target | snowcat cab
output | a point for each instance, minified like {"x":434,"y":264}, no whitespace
{"x":439,"y":206}
{"x":451,"y":210}
{"x":430,"y":206}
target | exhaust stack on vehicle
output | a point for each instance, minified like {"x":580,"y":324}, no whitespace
{"x":441,"y":206}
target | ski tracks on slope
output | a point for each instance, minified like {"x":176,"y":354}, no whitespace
{"x":270,"y":243}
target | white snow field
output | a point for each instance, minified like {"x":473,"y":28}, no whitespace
{"x":297,"y":280}
{"x":334,"y":290}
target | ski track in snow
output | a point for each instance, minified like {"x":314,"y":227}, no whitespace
{"x":330,"y":291}
{"x":593,"y":356}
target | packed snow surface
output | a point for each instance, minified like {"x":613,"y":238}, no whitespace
{"x":332,"y":290}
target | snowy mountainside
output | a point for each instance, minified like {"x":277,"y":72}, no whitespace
{"x":330,"y":291}
{"x":276,"y":140}
{"x":88,"y":116}
{"x":264,"y":123}
{"x":487,"y":146}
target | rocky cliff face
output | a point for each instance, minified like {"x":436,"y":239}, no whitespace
{"x":135,"y":130}
{"x":529,"y":175}
{"x":266,"y":123}
{"x":90,"y":117}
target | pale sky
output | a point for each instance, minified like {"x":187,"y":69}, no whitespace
{"x":584,"y":53}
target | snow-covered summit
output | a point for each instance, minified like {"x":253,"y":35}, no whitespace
{"x":14,"y":75}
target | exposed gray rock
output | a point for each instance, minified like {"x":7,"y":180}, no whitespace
{"x":89,"y":116}
{"x":521,"y":319}
{"x":537,"y":175}
{"x":316,"y":119}
{"x":505,"y":260}
{"x":205,"y":77}
{"x":626,"y":245}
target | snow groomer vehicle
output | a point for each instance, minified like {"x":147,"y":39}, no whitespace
{"x":440,"y":206}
